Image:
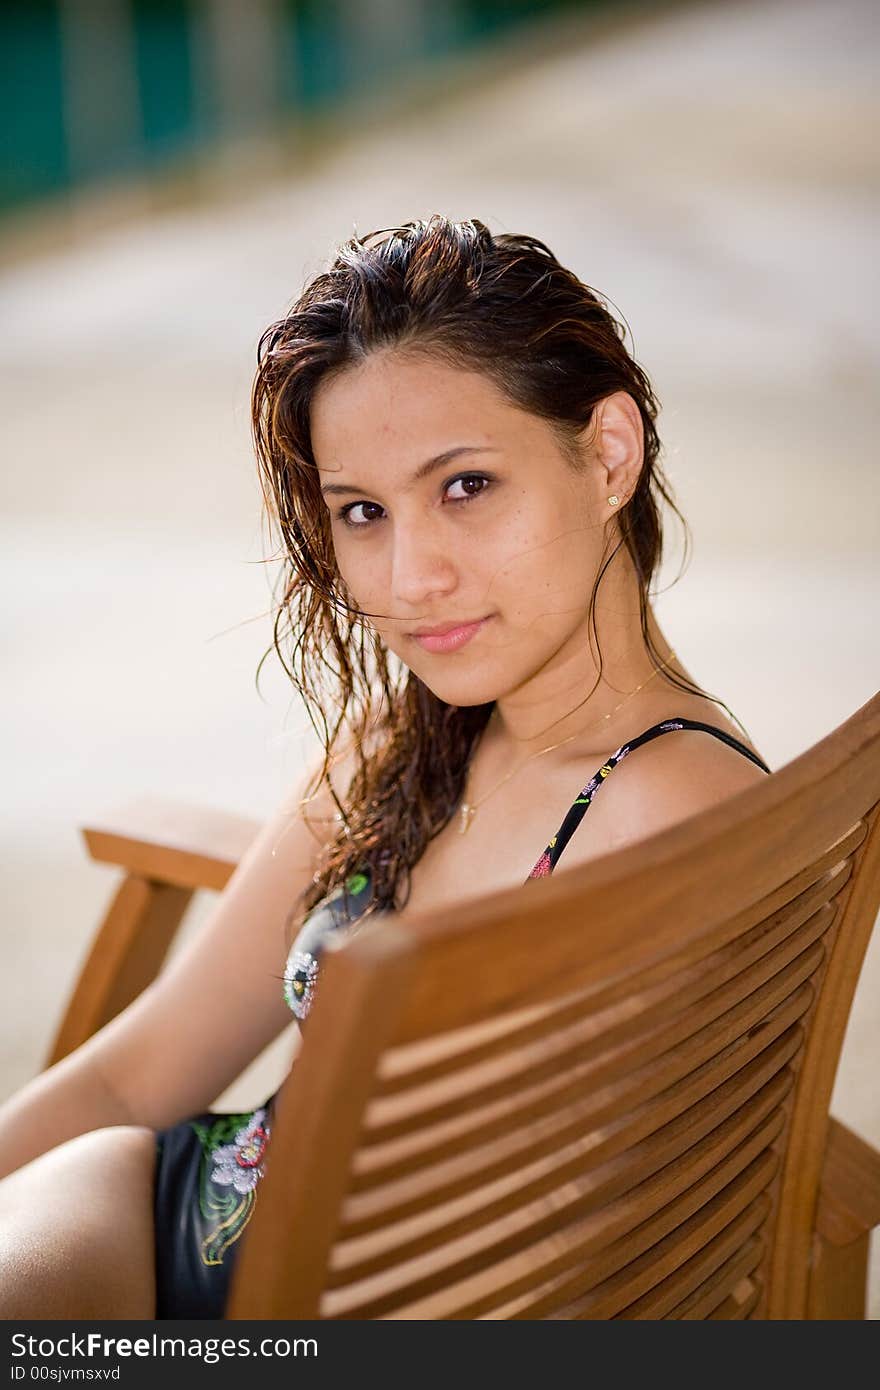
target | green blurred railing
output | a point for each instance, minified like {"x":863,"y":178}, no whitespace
{"x":90,"y":89}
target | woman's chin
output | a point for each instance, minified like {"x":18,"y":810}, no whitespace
{"x":459,"y":688}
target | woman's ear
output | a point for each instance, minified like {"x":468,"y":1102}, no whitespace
{"x":620,"y":444}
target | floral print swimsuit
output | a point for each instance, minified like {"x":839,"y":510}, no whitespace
{"x":208,"y":1168}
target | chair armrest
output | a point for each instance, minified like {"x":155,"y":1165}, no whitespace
{"x":168,"y":850}
{"x":849,"y":1191}
{"x":171,"y":842}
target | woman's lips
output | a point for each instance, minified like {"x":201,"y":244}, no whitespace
{"x":449,"y":641}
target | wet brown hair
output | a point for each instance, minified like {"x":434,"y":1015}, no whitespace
{"x":501,"y":304}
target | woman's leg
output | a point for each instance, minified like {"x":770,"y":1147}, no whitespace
{"x":76,"y":1230}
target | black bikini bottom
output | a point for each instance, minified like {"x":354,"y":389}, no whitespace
{"x":207,"y":1172}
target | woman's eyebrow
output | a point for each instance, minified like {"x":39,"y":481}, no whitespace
{"x":429,"y":466}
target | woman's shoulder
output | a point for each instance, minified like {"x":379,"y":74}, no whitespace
{"x":670,"y":777}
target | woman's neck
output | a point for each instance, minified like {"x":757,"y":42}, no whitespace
{"x":569,"y":697}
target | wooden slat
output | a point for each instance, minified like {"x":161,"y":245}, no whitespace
{"x":817,"y":883}
{"x":535,"y":1240}
{"x":572,"y":1295}
{"x":735,"y":1182}
{"x":739,"y":1071}
{"x":705,"y":1280}
{"x":735,"y":1032}
{"x":612,"y":1298}
{"x":703,"y":1302}
{"x":417,"y":1064}
{"x":597,"y":1166}
{"x":740,"y":1302}
{"x":685,"y":1256}
{"x":623,"y":1044}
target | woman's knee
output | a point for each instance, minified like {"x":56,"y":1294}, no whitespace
{"x":113,"y":1157}
{"x":76,"y":1229}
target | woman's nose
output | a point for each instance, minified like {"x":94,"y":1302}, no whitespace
{"x":421,"y":564}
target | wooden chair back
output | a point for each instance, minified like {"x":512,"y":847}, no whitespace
{"x":604,"y":1094}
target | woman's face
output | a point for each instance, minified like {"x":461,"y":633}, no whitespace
{"x":448,"y":505}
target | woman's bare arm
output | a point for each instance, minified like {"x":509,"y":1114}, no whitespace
{"x":212,"y":1010}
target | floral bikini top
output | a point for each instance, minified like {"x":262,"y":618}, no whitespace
{"x":346,"y":903}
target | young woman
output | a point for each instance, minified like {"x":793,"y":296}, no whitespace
{"x":461,"y":460}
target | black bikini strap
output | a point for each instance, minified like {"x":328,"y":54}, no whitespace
{"x":578,"y":809}
{"x":669,"y":724}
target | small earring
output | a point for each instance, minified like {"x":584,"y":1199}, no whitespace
{"x":614,"y":499}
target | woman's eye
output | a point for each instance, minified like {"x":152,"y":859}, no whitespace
{"x":347,"y":514}
{"x":467,"y":479}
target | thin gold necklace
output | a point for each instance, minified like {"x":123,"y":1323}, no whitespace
{"x":468,"y":809}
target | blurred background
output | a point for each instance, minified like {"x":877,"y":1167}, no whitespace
{"x":175,"y":170}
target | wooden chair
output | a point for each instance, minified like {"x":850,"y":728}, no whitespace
{"x":601,"y":1095}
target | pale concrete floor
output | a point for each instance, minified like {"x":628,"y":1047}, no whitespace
{"x":714,"y":173}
